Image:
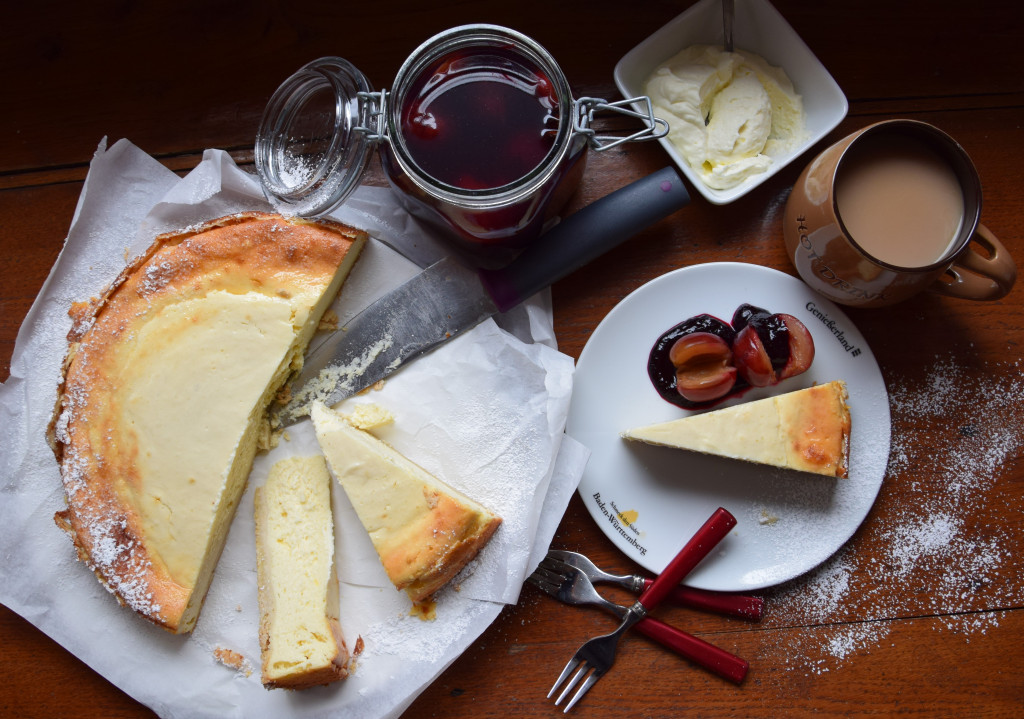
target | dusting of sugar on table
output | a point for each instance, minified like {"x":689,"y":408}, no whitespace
{"x":953,"y":434}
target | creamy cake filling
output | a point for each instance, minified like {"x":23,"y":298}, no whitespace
{"x":223,"y":345}
{"x":300,"y":637}
{"x":423,"y":529}
{"x":806,"y":430}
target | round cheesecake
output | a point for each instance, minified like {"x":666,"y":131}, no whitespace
{"x":163,"y":401}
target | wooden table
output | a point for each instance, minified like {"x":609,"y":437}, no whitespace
{"x":921,"y":613}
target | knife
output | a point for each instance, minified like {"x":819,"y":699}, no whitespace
{"x":448,"y":298}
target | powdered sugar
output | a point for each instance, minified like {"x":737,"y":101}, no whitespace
{"x":157,"y":275}
{"x":297,"y":171}
{"x":937,"y":553}
{"x":415,"y":639}
{"x":123,"y":570}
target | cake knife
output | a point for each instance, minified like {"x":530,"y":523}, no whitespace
{"x":448,"y":298}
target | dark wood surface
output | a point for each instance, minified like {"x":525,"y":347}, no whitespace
{"x":920,"y":614}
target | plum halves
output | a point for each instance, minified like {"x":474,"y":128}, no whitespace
{"x":704,"y":359}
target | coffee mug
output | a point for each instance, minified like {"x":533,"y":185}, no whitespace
{"x":892,"y":210}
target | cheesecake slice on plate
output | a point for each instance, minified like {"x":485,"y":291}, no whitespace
{"x":806,"y":430}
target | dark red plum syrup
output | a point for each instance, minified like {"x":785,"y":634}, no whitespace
{"x":772,"y":331}
{"x":663,"y":373}
{"x":480,"y":120}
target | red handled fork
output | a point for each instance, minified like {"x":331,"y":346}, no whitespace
{"x":570,"y":585}
{"x":595,"y":657}
{"x":735,"y":605}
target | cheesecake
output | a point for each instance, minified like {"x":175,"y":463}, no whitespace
{"x":807,"y":430}
{"x":162,"y":403}
{"x":424,"y":531}
{"x":301,"y":642}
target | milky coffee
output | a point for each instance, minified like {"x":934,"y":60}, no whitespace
{"x":892,"y":210}
{"x":899,"y":200}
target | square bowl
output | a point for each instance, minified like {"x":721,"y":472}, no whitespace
{"x":758,"y":28}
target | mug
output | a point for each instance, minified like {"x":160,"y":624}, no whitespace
{"x":889,"y":211}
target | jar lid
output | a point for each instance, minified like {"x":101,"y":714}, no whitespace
{"x":314,"y":140}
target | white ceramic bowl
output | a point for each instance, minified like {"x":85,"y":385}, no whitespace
{"x":758,"y":28}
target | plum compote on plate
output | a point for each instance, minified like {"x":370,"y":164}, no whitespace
{"x":703,"y":359}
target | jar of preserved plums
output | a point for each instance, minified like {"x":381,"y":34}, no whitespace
{"x":480,"y":135}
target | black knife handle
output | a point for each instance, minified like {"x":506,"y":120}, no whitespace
{"x":585,"y":235}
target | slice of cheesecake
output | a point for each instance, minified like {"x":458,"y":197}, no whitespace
{"x":164,"y":396}
{"x":301,"y":641}
{"x":806,"y":430}
{"x":424,"y":531}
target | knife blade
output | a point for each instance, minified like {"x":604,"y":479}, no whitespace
{"x":448,"y":298}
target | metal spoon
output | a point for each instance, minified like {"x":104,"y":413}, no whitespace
{"x":728,"y":13}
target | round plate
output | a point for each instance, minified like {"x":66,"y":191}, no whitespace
{"x":650,"y":500}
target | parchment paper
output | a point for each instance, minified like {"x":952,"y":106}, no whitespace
{"x":486,"y":412}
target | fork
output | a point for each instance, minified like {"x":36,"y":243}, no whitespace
{"x":592,"y":660}
{"x":570,"y":585}
{"x":737,"y":605}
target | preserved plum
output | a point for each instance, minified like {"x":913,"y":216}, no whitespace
{"x":704,"y":360}
{"x":704,"y":367}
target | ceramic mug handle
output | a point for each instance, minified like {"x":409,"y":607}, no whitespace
{"x":987,"y":277}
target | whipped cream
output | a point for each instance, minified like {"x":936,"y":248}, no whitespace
{"x":729,"y":113}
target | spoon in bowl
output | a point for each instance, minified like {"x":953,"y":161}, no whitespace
{"x":728,"y":14}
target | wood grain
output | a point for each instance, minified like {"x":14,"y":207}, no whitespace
{"x":893,"y":625}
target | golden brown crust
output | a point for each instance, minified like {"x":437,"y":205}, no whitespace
{"x":818,"y":429}
{"x":249,"y":252}
{"x":445,"y":541}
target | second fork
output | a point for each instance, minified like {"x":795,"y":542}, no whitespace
{"x":570,"y":585}
{"x":736,"y":605}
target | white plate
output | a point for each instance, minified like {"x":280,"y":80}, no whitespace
{"x":650,"y":500}
{"x":758,"y":28}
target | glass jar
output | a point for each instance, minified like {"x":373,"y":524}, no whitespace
{"x":479,"y":135}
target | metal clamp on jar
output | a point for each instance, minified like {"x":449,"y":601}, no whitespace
{"x":480,"y":135}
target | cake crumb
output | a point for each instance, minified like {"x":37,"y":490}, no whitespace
{"x":425,"y":610}
{"x":369,"y":416}
{"x":767,"y":518}
{"x":268,"y":437}
{"x":233,"y":660}
{"x":375,"y":387}
{"x":329,"y":321}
